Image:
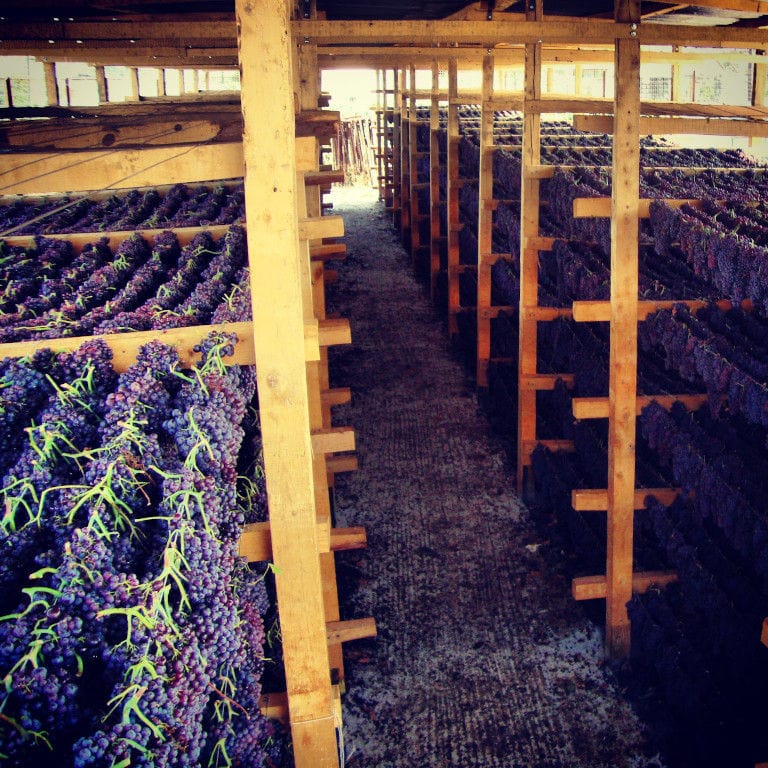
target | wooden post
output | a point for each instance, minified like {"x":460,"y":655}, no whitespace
{"x":8,"y":83}
{"x":577,"y":76}
{"x":434,"y":182}
{"x":676,"y":85}
{"x":51,"y":84}
{"x":485,"y":226}
{"x":397,"y":174}
{"x":133,"y":84}
{"x":405,"y":156}
{"x":622,"y":386}
{"x":529,"y":256}
{"x":758,"y":90}
{"x":195,"y":85}
{"x":265,"y":53}
{"x":413,"y":169}
{"x":453,"y":197}
{"x":101,"y":84}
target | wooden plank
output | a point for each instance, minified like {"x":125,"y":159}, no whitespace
{"x":588,"y":207}
{"x":351,"y":629}
{"x":320,"y":178}
{"x":484,"y":227}
{"x":536,"y":382}
{"x":545,"y":314}
{"x":529,"y":446}
{"x":333,"y":439}
{"x":600,"y":311}
{"x":125,"y":346}
{"x":318,"y":227}
{"x":764,"y":636}
{"x":255,"y":543}
{"x":529,"y":260}
{"x":341,"y":463}
{"x":596,"y":499}
{"x":595,"y":587}
{"x":278,"y":318}
{"x":32,"y":172}
{"x":701,"y":126}
{"x":622,"y":384}
{"x":328,"y":252}
{"x":336,"y":396}
{"x":597,"y":407}
{"x":334,"y":330}
{"x":414,"y":233}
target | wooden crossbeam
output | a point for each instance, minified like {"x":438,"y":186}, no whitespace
{"x":595,"y":588}
{"x":255,"y":543}
{"x":597,"y":407}
{"x":544,"y":381}
{"x":351,"y":629}
{"x":596,"y":499}
{"x":341,"y":463}
{"x":318,"y":227}
{"x":600,"y":207}
{"x":546,"y":314}
{"x":333,"y":439}
{"x":328,"y":252}
{"x":599,"y":311}
{"x":701,"y":126}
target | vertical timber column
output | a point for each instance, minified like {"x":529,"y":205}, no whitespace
{"x":529,"y":257}
{"x":405,"y":185}
{"x":453,"y":197}
{"x":381,"y":100}
{"x":413,"y":169}
{"x":397,"y":119}
{"x":758,"y":92}
{"x":51,"y":84}
{"x":434,"y":182}
{"x":485,"y":226}
{"x":676,"y":84}
{"x":265,"y":52}
{"x":622,"y":384}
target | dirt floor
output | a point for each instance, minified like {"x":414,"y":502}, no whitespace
{"x":482,"y":658}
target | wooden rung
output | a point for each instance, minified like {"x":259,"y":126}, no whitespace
{"x":351,"y":629}
{"x":764,"y":635}
{"x":594,"y":587}
{"x":600,"y":207}
{"x":600,"y":311}
{"x":544,"y":381}
{"x":540,"y":243}
{"x":338,"y":396}
{"x":488,"y":313}
{"x":333,"y":439}
{"x":125,"y":346}
{"x":255,"y":543}
{"x":318,"y":227}
{"x":458,"y":269}
{"x":596,"y":499}
{"x":317,"y":178}
{"x":420,"y":185}
{"x":491,"y":258}
{"x":274,"y":706}
{"x":334,"y":330}
{"x":597,"y":407}
{"x":341,"y":463}
{"x":529,"y":446}
{"x":546,"y":314}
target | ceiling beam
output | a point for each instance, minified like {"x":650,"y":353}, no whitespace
{"x":749,"y":6}
{"x":552,"y":30}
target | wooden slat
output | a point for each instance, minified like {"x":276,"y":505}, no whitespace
{"x":341,"y":463}
{"x":351,"y":629}
{"x":701,"y":126}
{"x":125,"y":346}
{"x":544,"y":381}
{"x":34,"y":172}
{"x":321,"y":178}
{"x":337,"y":396}
{"x":318,"y":227}
{"x":328,"y":252}
{"x":333,"y":439}
{"x":334,"y":330}
{"x":596,"y":499}
{"x":586,"y":207}
{"x":546,"y":313}
{"x":595,"y":587}
{"x":764,"y":636}
{"x":599,"y":311}
{"x":597,"y":407}
{"x":554,"y":445}
{"x":255,"y":543}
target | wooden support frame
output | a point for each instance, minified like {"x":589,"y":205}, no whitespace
{"x":622,"y":384}
{"x":434,"y":182}
{"x":413,"y":236}
{"x":278,"y":320}
{"x":452,"y":201}
{"x":397,"y":119}
{"x":485,"y":227}
{"x":529,"y":256}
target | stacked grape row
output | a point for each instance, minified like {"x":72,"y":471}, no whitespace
{"x":696,"y":653}
{"x":50,"y":291}
{"x":131,"y":633}
{"x":178,"y":206}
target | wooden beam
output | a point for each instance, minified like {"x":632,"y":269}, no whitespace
{"x":596,"y":588}
{"x":453,"y":138}
{"x":597,"y":407}
{"x":255,"y":543}
{"x":434,"y":183}
{"x":703,"y":126}
{"x":351,"y":629}
{"x":32,"y":172}
{"x":278,"y":318}
{"x":590,"y":207}
{"x":596,"y":499}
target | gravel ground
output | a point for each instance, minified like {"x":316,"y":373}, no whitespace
{"x":482,"y":657}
